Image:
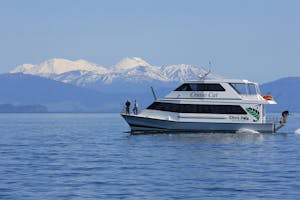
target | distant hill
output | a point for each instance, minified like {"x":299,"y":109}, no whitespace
{"x":286,"y":92}
{"x":22,"y":89}
{"x":25,"y":89}
{"x":8,"y":108}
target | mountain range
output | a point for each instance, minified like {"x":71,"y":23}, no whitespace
{"x":133,"y":70}
{"x":81,"y":86}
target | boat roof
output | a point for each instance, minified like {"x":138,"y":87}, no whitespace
{"x":220,"y":81}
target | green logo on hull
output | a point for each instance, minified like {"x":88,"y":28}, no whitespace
{"x":254,"y":113}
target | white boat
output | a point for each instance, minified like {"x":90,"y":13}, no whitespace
{"x":220,"y":105}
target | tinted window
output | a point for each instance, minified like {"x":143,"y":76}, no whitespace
{"x":252,"y":89}
{"x":192,"y":108}
{"x":240,"y":88}
{"x":184,"y":87}
{"x":244,"y":89}
{"x":200,"y":87}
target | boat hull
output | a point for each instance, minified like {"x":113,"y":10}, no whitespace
{"x":140,"y":124}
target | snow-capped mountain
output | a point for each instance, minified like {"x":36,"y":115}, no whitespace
{"x":130,"y":70}
{"x":182,"y":72}
{"x":58,"y":66}
{"x":105,"y":89}
{"x":130,"y":63}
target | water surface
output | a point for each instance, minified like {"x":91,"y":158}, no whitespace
{"x":90,"y":156}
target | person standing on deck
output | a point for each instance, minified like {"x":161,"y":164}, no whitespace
{"x":135,"y":108}
{"x":127,"y":107}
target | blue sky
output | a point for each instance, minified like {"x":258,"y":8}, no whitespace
{"x":252,"y":39}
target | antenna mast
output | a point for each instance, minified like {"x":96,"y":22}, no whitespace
{"x":153,"y":93}
{"x":202,"y":77}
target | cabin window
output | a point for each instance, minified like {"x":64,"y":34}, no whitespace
{"x":184,"y":87}
{"x":201,"y":87}
{"x":193,"y":108}
{"x":252,"y":89}
{"x":240,"y":88}
{"x":244,"y":89}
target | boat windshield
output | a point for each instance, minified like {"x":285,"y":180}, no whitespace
{"x":252,"y":89}
{"x":245,"y":88}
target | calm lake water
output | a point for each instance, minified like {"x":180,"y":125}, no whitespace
{"x":90,"y":156}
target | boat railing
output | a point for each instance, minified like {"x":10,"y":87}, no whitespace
{"x":129,"y":112}
{"x":272,"y":118}
{"x":123,"y":111}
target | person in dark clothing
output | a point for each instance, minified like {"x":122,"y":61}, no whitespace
{"x":127,"y":106}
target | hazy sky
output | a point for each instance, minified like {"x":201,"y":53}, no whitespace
{"x":251,"y":39}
